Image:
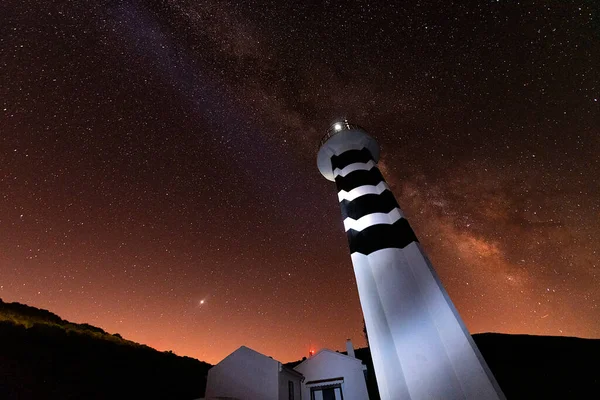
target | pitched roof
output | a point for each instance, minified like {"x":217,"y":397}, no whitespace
{"x":244,"y":349}
{"x":248,"y":350}
{"x":330,"y":352}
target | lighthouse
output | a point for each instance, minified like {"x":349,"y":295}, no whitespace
{"x":420,"y":346}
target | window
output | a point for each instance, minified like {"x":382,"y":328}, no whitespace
{"x":329,"y":392}
{"x":290,"y":390}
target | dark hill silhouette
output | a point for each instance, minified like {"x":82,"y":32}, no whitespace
{"x":43,"y":356}
{"x":529,"y":367}
{"x":543,"y":367}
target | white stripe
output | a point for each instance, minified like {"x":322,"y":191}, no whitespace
{"x":361,"y":191}
{"x":353,"y":167}
{"x":373,"y":219}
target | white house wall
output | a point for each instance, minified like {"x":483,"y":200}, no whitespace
{"x":244,"y":375}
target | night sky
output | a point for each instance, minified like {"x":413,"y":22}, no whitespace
{"x":159,"y":154}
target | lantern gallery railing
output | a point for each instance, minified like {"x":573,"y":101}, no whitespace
{"x":336,"y":128}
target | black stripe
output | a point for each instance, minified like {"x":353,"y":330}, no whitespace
{"x":368,"y":204}
{"x":359,"y":178}
{"x":381,"y":236}
{"x":350,"y":157}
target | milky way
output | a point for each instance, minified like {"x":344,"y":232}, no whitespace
{"x":157,"y":154}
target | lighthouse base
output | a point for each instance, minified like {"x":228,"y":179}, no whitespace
{"x":420,"y":347}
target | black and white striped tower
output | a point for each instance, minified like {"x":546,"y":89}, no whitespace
{"x":421,"y":348}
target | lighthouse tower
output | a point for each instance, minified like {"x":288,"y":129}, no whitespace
{"x":421,"y":348}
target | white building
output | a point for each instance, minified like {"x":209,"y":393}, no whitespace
{"x":329,"y":375}
{"x":248,"y":375}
